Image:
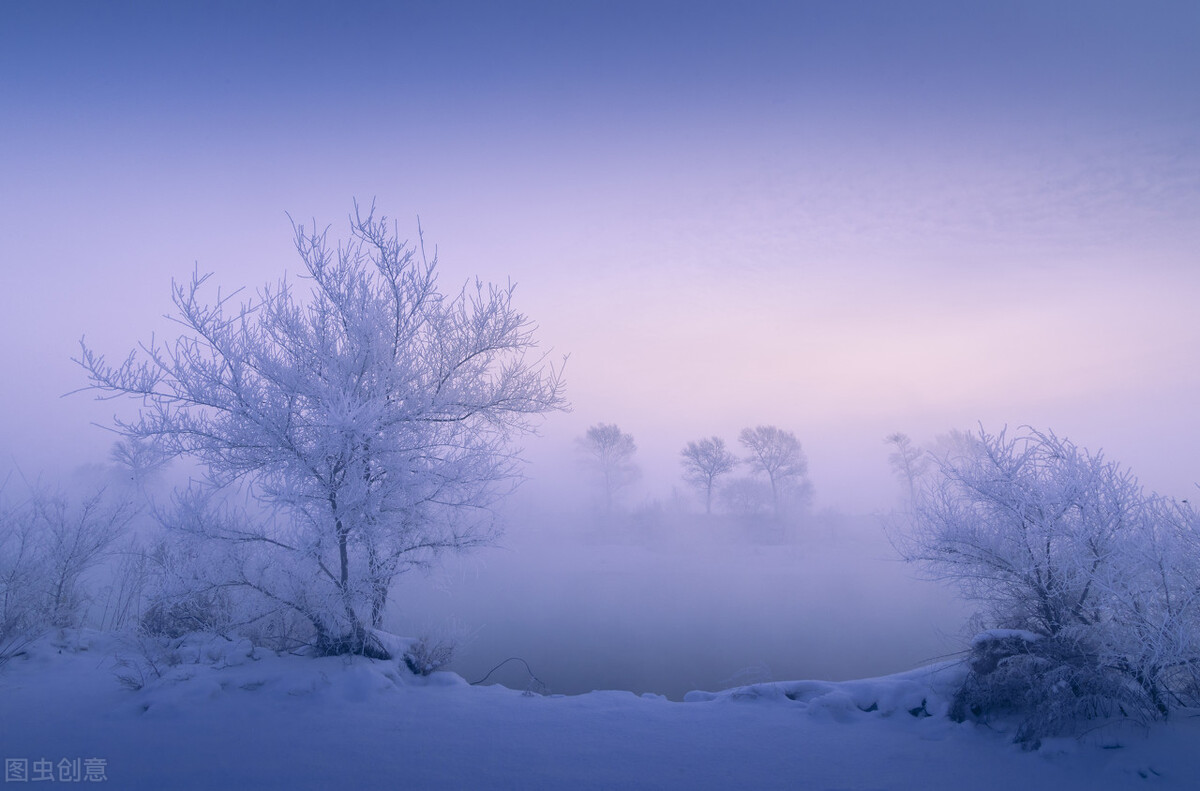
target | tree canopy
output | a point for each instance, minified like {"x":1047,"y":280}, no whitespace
{"x":371,"y":415}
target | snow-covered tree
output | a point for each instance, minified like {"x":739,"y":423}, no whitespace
{"x":140,"y":462}
{"x":49,"y":542}
{"x":76,"y":536}
{"x":1098,"y":579}
{"x":366,"y":420}
{"x":705,"y":461}
{"x":22,"y":568}
{"x":609,"y":451}
{"x":777,"y":454}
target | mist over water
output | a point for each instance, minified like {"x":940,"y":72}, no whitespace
{"x":667,"y":602}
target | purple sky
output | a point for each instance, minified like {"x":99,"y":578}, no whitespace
{"x":843,"y":218}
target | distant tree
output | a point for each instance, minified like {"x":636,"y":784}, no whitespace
{"x":745,"y":496}
{"x":955,"y":445}
{"x":140,"y":460}
{"x":778,"y":455}
{"x":610,"y":452}
{"x":369,"y":420}
{"x":704,"y":462}
{"x":908,"y":462}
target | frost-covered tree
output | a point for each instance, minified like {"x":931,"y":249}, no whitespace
{"x":1096,"y":580}
{"x":140,"y":462}
{"x":609,"y":451}
{"x":704,"y":461}
{"x":777,"y":454}
{"x":22,"y":569}
{"x":1021,"y":524}
{"x":366,"y":420}
{"x":75,"y":536}
{"x":49,"y":543}
{"x":908,"y":462}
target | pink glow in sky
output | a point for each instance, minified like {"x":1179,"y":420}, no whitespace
{"x":846,"y":219}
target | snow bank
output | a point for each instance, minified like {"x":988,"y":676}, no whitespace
{"x":171,"y":676}
{"x":223,"y":715}
{"x":925,"y":692}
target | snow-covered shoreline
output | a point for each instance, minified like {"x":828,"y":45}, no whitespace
{"x":232,"y":717}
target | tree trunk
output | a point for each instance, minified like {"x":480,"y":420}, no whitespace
{"x":381,"y":582}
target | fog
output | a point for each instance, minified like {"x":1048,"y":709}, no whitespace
{"x":844,"y":221}
{"x":663,"y":604}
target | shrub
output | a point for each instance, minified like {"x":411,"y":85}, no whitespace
{"x":1100,"y":576}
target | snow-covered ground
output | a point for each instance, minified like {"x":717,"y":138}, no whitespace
{"x":230,"y":717}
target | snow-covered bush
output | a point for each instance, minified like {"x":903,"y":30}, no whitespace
{"x":1047,"y":684}
{"x":1101,"y":578}
{"x":120,"y":602}
{"x":428,"y":654}
{"x":144,"y":659}
{"x":181,"y":596}
{"x":197,"y":612}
